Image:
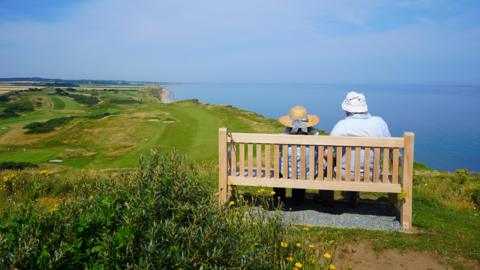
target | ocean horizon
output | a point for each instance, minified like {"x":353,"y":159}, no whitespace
{"x":443,"y":117}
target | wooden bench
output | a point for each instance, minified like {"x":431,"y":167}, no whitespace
{"x":249,"y":159}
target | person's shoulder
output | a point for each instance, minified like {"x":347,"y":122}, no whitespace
{"x":378,"y":119}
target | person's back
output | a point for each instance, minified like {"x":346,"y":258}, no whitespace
{"x":299,"y":122}
{"x":358,"y":123}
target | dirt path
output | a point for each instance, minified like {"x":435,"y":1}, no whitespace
{"x":361,"y":256}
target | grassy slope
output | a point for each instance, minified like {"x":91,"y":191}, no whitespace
{"x":443,"y":212}
{"x":117,"y":141}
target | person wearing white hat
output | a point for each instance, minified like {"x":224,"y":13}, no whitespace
{"x":358,"y":122}
{"x":298,"y":122}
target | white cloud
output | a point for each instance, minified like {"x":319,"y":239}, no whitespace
{"x":235,"y":40}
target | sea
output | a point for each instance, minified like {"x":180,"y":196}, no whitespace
{"x":444,"y":118}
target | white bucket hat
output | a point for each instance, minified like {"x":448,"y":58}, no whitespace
{"x":355,"y":103}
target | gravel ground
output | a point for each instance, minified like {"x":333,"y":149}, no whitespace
{"x":370,"y":215}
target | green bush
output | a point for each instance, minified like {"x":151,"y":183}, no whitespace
{"x":83,"y":99}
{"x":12,"y":165}
{"x":124,"y":101}
{"x":160,"y":217}
{"x":45,"y":127}
{"x":476,"y":197}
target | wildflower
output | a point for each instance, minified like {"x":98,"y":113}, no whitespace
{"x":273,"y":192}
{"x":306,"y":229}
{"x":311,"y":246}
{"x":298,"y":245}
{"x":290,"y":258}
{"x":54,"y":208}
{"x":231,"y":203}
{"x":327,"y":255}
{"x":298,"y":265}
{"x":244,"y":219}
{"x":261,"y":190}
{"x":332,"y":267}
{"x":284,"y":244}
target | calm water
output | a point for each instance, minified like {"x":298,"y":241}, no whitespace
{"x":444,"y":118}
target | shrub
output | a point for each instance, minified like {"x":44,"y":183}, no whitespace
{"x":160,"y":217}
{"x":124,"y":101}
{"x":476,"y":197}
{"x":12,"y":165}
{"x":45,"y":127}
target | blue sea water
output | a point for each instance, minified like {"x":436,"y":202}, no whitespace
{"x":445,"y":119}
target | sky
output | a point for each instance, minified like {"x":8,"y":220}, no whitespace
{"x":317,"y":41}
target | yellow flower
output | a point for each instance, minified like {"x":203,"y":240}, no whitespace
{"x":54,"y":208}
{"x":290,"y":258}
{"x":261,"y":190}
{"x":327,"y":255}
{"x":244,"y":219}
{"x":298,"y":245}
{"x":284,"y":244}
{"x":273,"y":192}
{"x":332,"y":267}
{"x":311,"y":246}
{"x":231,"y":203}
{"x":298,"y":265}
{"x":306,"y":229}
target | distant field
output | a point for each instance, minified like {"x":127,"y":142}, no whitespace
{"x":114,"y":133}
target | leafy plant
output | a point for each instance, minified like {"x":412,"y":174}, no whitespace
{"x":159,"y":217}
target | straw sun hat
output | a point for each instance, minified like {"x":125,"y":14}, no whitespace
{"x":299,"y":113}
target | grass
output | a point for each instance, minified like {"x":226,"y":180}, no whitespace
{"x":119,"y":139}
{"x":446,"y":214}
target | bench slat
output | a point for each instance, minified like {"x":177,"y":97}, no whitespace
{"x":259,"y":161}
{"x":358,"y":151}
{"x":311,"y":162}
{"x":233,"y":161}
{"x":321,"y":185}
{"x":339,"y":163}
{"x":348,"y":163}
{"x":276,"y":161}
{"x":242,"y":159}
{"x":250,"y":160}
{"x":376,"y":164}
{"x":294,"y":161}
{"x":396,"y":157}
{"x":267,"y":161}
{"x":386,"y":161}
{"x":303,"y":162}
{"x":285,"y":161}
{"x":366,"y":167}
{"x":329,"y":163}
{"x":316,"y":140}
{"x":320,"y":161}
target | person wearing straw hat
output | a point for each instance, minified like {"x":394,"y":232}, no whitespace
{"x":358,"y":122}
{"x":298,"y":122}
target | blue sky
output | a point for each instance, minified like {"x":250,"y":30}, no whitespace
{"x":349,"y":41}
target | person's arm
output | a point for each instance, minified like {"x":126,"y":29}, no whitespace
{"x":385,"y":130}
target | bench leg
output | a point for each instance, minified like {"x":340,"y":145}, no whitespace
{"x":406,"y":212}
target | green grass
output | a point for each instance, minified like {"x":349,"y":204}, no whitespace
{"x":130,"y":131}
{"x":58,"y":103}
{"x":443,"y":209}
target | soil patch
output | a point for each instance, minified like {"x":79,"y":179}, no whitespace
{"x":361,"y":255}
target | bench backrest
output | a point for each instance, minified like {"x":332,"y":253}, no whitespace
{"x":256,"y":160}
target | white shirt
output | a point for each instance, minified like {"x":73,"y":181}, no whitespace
{"x":361,"y":125}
